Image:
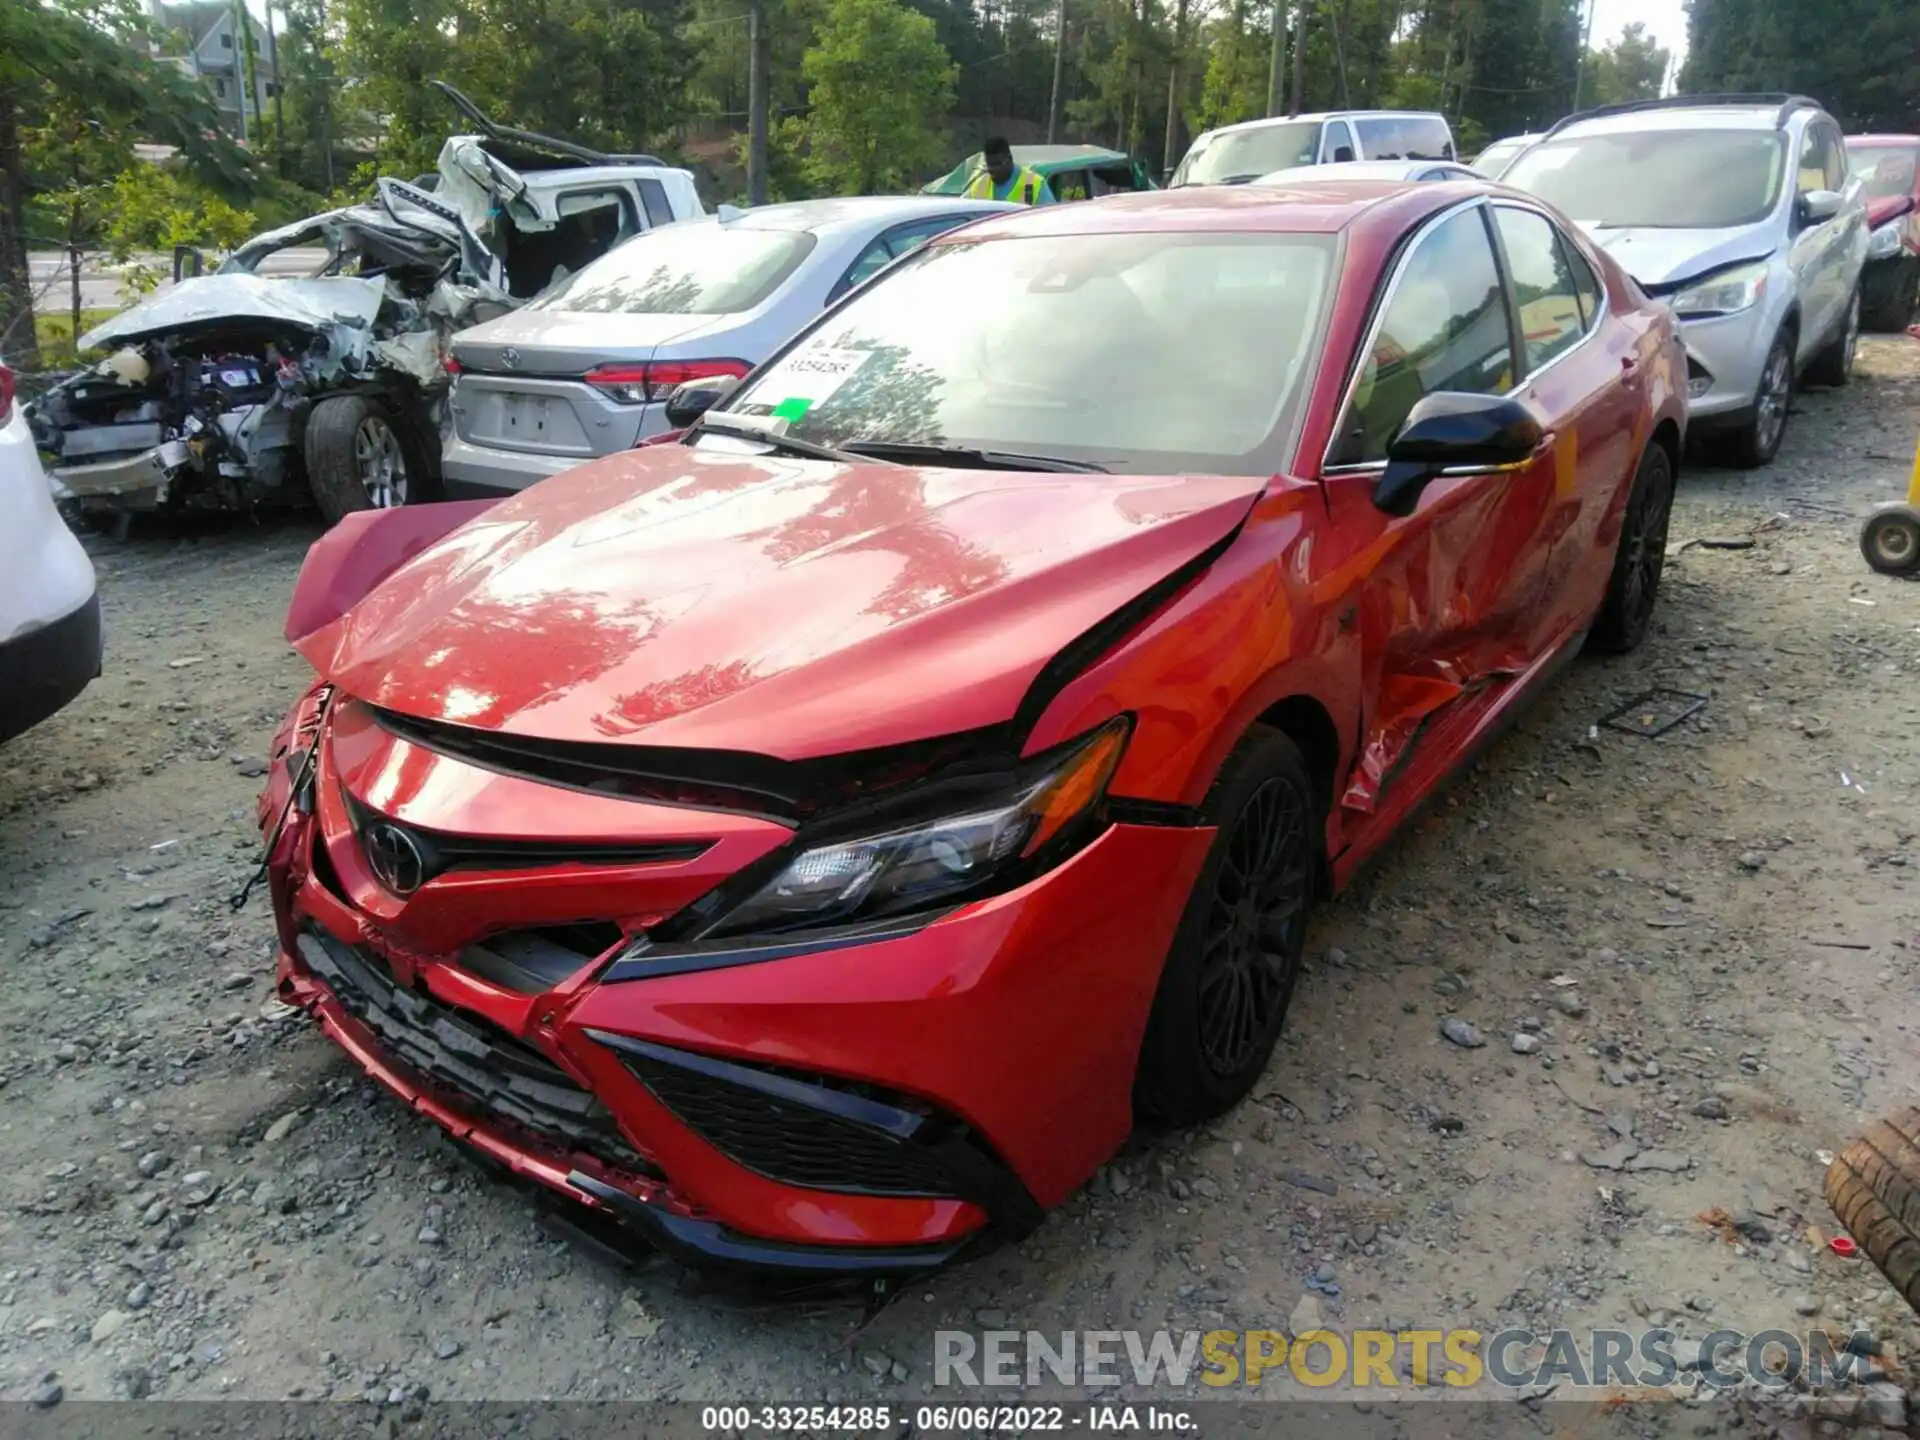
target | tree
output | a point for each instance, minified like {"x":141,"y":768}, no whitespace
{"x":86,"y":61}
{"x":1859,"y":58}
{"x":880,"y":85}
{"x":1632,"y":68}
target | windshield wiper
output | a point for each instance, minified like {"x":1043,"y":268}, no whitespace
{"x":788,"y":443}
{"x":968,"y":455}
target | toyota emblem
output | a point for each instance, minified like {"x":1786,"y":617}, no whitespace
{"x":395,"y":857}
{"x":510,"y":358}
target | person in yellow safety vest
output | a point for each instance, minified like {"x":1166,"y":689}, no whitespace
{"x":1004,"y":180}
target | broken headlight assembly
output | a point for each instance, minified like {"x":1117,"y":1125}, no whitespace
{"x":965,"y":841}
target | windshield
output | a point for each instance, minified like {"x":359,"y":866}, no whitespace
{"x":1657,"y":179}
{"x":693,"y":268}
{"x":1885,"y":171}
{"x":1235,"y":155}
{"x":1151,"y":353}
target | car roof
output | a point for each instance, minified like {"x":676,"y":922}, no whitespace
{"x":1358,"y":170}
{"x":1674,"y":117}
{"x":1065,"y":154}
{"x":1322,"y":115}
{"x":860,"y":212}
{"x":1304,"y":207}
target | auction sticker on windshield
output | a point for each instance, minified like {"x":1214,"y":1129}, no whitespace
{"x":804,"y":380}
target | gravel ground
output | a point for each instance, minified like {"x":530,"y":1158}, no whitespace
{"x":1691,"y":960}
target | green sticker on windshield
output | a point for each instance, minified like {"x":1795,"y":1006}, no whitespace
{"x":794,"y":407}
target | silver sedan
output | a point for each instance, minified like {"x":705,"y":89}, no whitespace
{"x":1372,"y":170}
{"x":585,"y":369}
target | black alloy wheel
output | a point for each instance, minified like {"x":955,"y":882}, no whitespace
{"x":1626,"y":614}
{"x":1255,"y":926}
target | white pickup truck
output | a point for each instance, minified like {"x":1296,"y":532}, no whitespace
{"x":233,"y":390}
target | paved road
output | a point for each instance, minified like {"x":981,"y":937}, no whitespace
{"x":101,"y":285}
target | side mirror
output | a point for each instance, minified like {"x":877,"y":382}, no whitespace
{"x":188,"y":263}
{"x":1342,"y":154}
{"x":1447,"y":431}
{"x":1817,"y":206}
{"x":687,"y":403}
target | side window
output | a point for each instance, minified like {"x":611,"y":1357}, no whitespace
{"x":1338,"y":144}
{"x":1444,"y":328}
{"x":1071,"y":185}
{"x":1551,"y":321}
{"x":1429,"y":140}
{"x":1813,"y":161}
{"x":653,"y":196}
{"x":1836,"y":157}
{"x":1593,"y":297}
{"x":871,"y":260}
{"x":1378,"y":140}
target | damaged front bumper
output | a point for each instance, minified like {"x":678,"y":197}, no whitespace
{"x":135,"y":482}
{"x":871,"y":1106}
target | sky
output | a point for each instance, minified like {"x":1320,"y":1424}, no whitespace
{"x":1666,"y":22}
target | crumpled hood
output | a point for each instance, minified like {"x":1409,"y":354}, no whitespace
{"x":1662,"y":259}
{"x":791,"y":608}
{"x":208,"y":300}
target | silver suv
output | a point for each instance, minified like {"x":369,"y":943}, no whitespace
{"x":1739,"y":212}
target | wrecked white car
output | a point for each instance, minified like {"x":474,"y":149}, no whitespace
{"x":234,"y":391}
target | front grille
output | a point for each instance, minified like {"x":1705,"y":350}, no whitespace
{"x":791,"y":1142}
{"x":463,"y":1053}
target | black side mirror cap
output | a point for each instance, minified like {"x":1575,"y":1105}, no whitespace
{"x":687,"y":403}
{"x":1449,"y":431}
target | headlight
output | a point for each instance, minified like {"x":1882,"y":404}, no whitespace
{"x":1884,"y":241}
{"x":1723,"y":294}
{"x":992,"y":843}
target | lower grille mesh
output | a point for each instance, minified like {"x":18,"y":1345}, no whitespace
{"x":463,"y":1053}
{"x":792,"y":1143}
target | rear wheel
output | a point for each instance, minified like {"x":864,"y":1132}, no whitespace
{"x":1230,"y":972}
{"x":1626,"y":613}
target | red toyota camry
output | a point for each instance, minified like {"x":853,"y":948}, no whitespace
{"x":813,"y":843}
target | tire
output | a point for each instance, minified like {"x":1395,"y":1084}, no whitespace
{"x":1890,"y":540}
{"x":1874,"y":1187}
{"x":1230,"y":972}
{"x":1888,"y":307}
{"x":362,"y":456}
{"x":1626,"y":610}
{"x":1834,"y":365}
{"x":1758,"y":441}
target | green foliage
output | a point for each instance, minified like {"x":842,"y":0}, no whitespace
{"x":1632,"y":68}
{"x":880,"y":85}
{"x":1235,"y":84}
{"x":1859,"y":58}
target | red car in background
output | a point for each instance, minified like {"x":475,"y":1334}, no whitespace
{"x":1889,"y":168}
{"x":813,"y":843}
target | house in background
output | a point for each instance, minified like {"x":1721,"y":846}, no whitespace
{"x":202,"y":38}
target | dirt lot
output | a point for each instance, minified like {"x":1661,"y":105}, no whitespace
{"x":1711,"y":937}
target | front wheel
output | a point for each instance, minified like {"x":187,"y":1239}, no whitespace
{"x":1758,"y":441}
{"x":1230,"y":971}
{"x":1626,"y":612}
{"x":360,"y":456}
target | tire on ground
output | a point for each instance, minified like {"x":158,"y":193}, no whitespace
{"x":1618,"y":627}
{"x":333,"y":473}
{"x":1174,"y":1082}
{"x":1874,"y":1188}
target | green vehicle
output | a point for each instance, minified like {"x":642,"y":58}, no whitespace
{"x":1073,"y":172}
